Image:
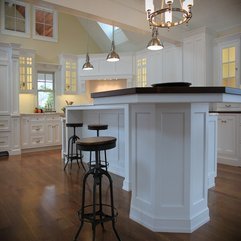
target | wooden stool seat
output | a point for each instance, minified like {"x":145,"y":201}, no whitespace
{"x":74,"y":124}
{"x":97,"y":127}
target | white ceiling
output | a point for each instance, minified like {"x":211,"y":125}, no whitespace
{"x":221,"y":17}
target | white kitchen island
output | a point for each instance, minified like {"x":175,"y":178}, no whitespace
{"x":163,"y":149}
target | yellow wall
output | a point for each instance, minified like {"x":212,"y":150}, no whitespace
{"x":72,"y":39}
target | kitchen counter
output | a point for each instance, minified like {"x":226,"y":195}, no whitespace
{"x":166,"y":145}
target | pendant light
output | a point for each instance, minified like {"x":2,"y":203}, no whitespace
{"x":112,"y":56}
{"x":155,"y":43}
{"x":87,"y":65}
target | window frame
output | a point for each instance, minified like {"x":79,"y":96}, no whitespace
{"x":53,"y":91}
{"x":55,"y":24}
{"x":25,"y":34}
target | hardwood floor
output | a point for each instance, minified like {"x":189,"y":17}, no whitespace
{"x":38,"y":202}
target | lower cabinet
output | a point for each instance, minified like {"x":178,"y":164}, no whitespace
{"x":40,"y":131}
{"x":229,"y":139}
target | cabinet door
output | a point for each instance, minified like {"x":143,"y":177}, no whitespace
{"x":25,"y":134}
{"x":227,"y":135}
{"x":53,"y":133}
{"x":4,"y":88}
{"x":229,"y":64}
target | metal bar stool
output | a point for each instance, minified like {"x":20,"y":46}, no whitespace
{"x":97,"y":212}
{"x":73,"y":154}
{"x":97,"y":128}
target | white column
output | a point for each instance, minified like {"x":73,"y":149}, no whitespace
{"x":169,"y":166}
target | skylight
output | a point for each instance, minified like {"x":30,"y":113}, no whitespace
{"x":120,"y":36}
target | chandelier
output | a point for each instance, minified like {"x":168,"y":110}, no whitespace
{"x":169,"y":15}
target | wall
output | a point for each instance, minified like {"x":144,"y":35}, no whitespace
{"x":72,"y":39}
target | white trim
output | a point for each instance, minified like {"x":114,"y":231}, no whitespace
{"x":26,"y":34}
{"x":55,"y":25}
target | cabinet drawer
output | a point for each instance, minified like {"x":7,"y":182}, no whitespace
{"x":5,"y":141}
{"x":37,"y":141}
{"x":53,"y":118}
{"x":36,"y":128}
{"x":4,"y":123}
{"x":229,"y":106}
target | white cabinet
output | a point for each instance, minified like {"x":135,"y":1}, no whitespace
{"x":69,"y":73}
{"x":53,"y":130}
{"x":4,"y":81}
{"x":164,"y":65}
{"x":197,"y":59}
{"x":40,"y":131}
{"x":9,"y":116}
{"x":229,"y":139}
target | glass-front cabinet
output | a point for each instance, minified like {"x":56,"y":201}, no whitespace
{"x":26,"y":71}
{"x":229,"y":74}
{"x":69,"y":73}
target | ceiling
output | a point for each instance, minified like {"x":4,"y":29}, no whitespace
{"x":221,"y":17}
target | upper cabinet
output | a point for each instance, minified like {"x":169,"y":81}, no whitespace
{"x":69,"y":74}
{"x":26,"y":71}
{"x":227,"y":53}
{"x":164,"y":65}
{"x":197,"y":59}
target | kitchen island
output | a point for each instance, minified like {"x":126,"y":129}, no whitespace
{"x":163,"y":151}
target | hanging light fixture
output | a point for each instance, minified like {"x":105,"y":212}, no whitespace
{"x":169,"y":15}
{"x":87,"y":65}
{"x":112,"y":56}
{"x":155,"y":43}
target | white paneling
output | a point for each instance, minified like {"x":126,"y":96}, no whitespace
{"x":4,"y":90}
{"x":142,"y":154}
{"x":171,"y":137}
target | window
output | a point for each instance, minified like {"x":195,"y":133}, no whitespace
{"x":15,"y":18}
{"x":26,"y":73}
{"x":229,"y":67}
{"x":44,"y":24}
{"x":45,"y":89}
{"x":141,"y":80}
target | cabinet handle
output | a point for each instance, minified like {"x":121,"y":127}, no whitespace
{"x":1,"y":125}
{"x":37,"y":141}
{"x":2,"y":142}
{"x":228,"y":106}
{"x":37,"y":129}
{"x":223,"y":121}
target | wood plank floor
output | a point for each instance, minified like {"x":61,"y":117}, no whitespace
{"x":38,"y":202}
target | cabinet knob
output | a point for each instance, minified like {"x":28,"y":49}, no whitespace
{"x":223,"y":121}
{"x":228,"y":106}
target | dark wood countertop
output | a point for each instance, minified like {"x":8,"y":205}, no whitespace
{"x":168,"y":90}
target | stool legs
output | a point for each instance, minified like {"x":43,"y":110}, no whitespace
{"x":97,"y":209}
{"x":71,"y":156}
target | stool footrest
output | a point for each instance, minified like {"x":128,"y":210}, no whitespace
{"x":100,"y":215}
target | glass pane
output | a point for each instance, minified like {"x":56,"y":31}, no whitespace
{"x":231,"y":54}
{"x":9,"y":9}
{"x":49,"y":86}
{"x":20,"y":13}
{"x":48,"y":31}
{"x":225,"y":70}
{"x":39,"y":16}
{"x":232,"y":70}
{"x":20,"y":26}
{"x":225,"y":55}
{"x":9,"y":23}
{"x":41,"y":77}
{"x":49,"y":77}
{"x":41,"y":86}
{"x":46,"y":100}
{"x":49,"y":18}
{"x":39,"y":29}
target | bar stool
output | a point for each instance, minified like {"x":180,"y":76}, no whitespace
{"x":73,"y":155}
{"x":97,"y":128}
{"x":97,"y":213}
